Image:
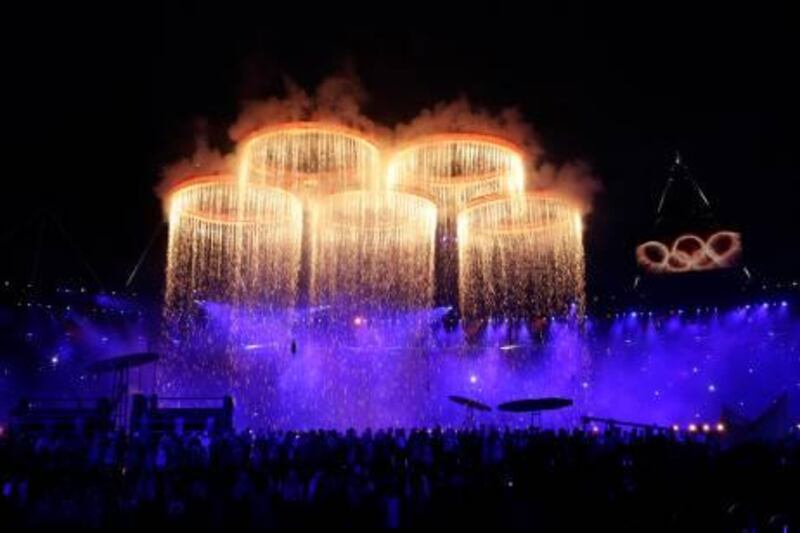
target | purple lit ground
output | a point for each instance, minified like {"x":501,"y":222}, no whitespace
{"x":48,"y":342}
{"x":665,"y":369}
{"x":369,"y":372}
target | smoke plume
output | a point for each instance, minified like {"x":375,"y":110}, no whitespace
{"x":573,"y":180}
{"x":341,"y":98}
{"x":338,"y":99}
{"x":459,"y":116}
{"x":204,"y":161}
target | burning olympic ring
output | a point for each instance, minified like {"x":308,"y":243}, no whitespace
{"x":690,"y":252}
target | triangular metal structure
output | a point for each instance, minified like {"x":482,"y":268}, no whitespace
{"x":682,"y":194}
{"x":686,"y":236}
{"x":41,"y":234}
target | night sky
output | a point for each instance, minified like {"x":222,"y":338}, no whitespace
{"x":100,"y":100}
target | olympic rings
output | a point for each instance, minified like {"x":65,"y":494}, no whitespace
{"x":690,"y":252}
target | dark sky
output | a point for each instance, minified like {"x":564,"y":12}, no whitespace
{"x":101,"y":99}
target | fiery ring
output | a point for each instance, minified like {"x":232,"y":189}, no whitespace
{"x":690,"y":252}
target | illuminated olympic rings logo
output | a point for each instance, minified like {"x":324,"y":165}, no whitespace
{"x":691,"y":253}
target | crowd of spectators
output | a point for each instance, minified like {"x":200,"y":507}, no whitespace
{"x":477,"y":479}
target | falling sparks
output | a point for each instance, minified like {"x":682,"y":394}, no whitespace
{"x":310,"y":159}
{"x":373,"y":250}
{"x":311,"y":210}
{"x":233,"y":245}
{"x":457,"y":168}
{"x":519,"y":256}
{"x":318,"y":244}
{"x":454,"y":169}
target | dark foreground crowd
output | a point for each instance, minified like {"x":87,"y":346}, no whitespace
{"x":478,"y":480}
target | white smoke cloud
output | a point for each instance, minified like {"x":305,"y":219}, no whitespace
{"x":337,"y":99}
{"x":573,"y":180}
{"x":204,"y":161}
{"x":340,"y":99}
{"x":460,"y":116}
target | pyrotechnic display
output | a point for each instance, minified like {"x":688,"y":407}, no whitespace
{"x":370,"y":222}
{"x":458,"y":168}
{"x":310,"y":159}
{"x":520,"y":256}
{"x":690,"y":252}
{"x":278,"y":271}
{"x":232,"y":244}
{"x":373,"y":250}
{"x":327,"y":243}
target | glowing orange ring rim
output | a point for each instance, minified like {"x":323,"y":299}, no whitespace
{"x":221,"y":220}
{"x":303,"y":126}
{"x":284,"y":175}
{"x":468,"y":179}
{"x":197,"y":182}
{"x":224,"y":220}
{"x":487,"y":139}
{"x":526,"y":228}
{"x":410,"y":192}
{"x":216,"y":180}
{"x":451,"y":138}
{"x":407,"y":193}
{"x":219,"y":180}
{"x":526,"y":195}
{"x":298,"y":128}
{"x":522,"y":195}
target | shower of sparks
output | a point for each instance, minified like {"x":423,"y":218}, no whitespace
{"x":234,"y":245}
{"x":457,"y":168}
{"x":454,"y":169}
{"x":310,"y":159}
{"x":373,"y":250}
{"x":317,"y":253}
{"x":519,"y":256}
{"x":310,"y":211}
